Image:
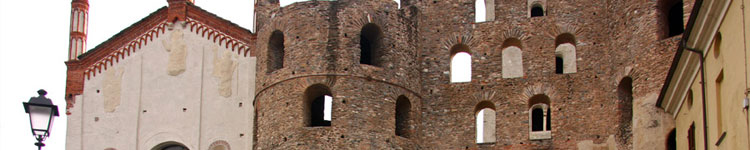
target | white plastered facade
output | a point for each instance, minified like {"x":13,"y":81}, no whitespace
{"x":143,"y":101}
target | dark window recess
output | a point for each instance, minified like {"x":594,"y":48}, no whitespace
{"x":275,"y":51}
{"x":671,"y":141}
{"x":537,"y":11}
{"x":402,"y":116}
{"x":558,"y":65}
{"x":548,"y":119}
{"x":370,"y":43}
{"x":537,"y":119}
{"x":317,"y":112}
{"x":675,"y":18}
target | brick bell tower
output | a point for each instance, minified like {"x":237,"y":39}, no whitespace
{"x":79,"y":25}
{"x":79,"y":21}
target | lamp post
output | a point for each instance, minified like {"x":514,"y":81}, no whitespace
{"x":41,"y":113}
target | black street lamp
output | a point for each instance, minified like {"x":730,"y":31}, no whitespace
{"x":41,"y":113}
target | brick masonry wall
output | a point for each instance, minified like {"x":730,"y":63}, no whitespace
{"x":614,"y":40}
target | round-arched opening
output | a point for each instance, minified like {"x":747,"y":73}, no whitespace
{"x":370,"y":44}
{"x":539,"y":99}
{"x":482,"y":105}
{"x":403,"y":110}
{"x":537,"y":10}
{"x":565,"y":38}
{"x":460,"y":63}
{"x":275,"y":51}
{"x":318,"y":102}
{"x":512,"y":42}
{"x":485,"y":115}
{"x":170,"y":146}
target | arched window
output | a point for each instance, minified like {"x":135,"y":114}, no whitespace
{"x":170,"y":146}
{"x":485,"y":122}
{"x":460,"y":64}
{"x":219,"y":145}
{"x":403,"y":107}
{"x":539,"y":117}
{"x":537,"y":10}
{"x":370,"y":44}
{"x":275,"y":51}
{"x":565,"y":54}
{"x":318,"y":102}
{"x":484,"y":10}
{"x":399,"y":3}
{"x":674,"y":17}
{"x":512,"y":58}
{"x":625,"y":106}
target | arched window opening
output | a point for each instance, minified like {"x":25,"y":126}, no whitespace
{"x":219,"y":145}
{"x":275,"y":51}
{"x":537,"y":10}
{"x":484,"y":10}
{"x":512,"y":58}
{"x":403,"y":107}
{"x":485,"y":122}
{"x":460,"y":64}
{"x":399,"y":3}
{"x":319,"y":104}
{"x":625,"y":106}
{"x":565,"y":54}
{"x":539,"y":118}
{"x":672,"y":140}
{"x":370,"y":44}
{"x":170,"y":146}
{"x":675,"y":18}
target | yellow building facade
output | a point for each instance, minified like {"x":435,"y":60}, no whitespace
{"x":707,"y":87}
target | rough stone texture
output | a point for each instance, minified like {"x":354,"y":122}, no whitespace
{"x":612,"y":40}
{"x":112,"y":89}
{"x":225,"y":63}
{"x":177,"y":53}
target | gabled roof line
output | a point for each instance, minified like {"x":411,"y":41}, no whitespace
{"x":201,"y":22}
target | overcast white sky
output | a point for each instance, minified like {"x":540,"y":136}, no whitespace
{"x":34,"y":46}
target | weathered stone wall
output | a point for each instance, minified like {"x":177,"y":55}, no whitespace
{"x":321,"y":41}
{"x":613,"y":40}
{"x":180,"y":87}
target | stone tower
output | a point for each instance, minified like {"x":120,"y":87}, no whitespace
{"x":359,"y":53}
{"x":542,"y":74}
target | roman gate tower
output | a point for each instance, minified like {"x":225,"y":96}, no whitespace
{"x":336,"y":75}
